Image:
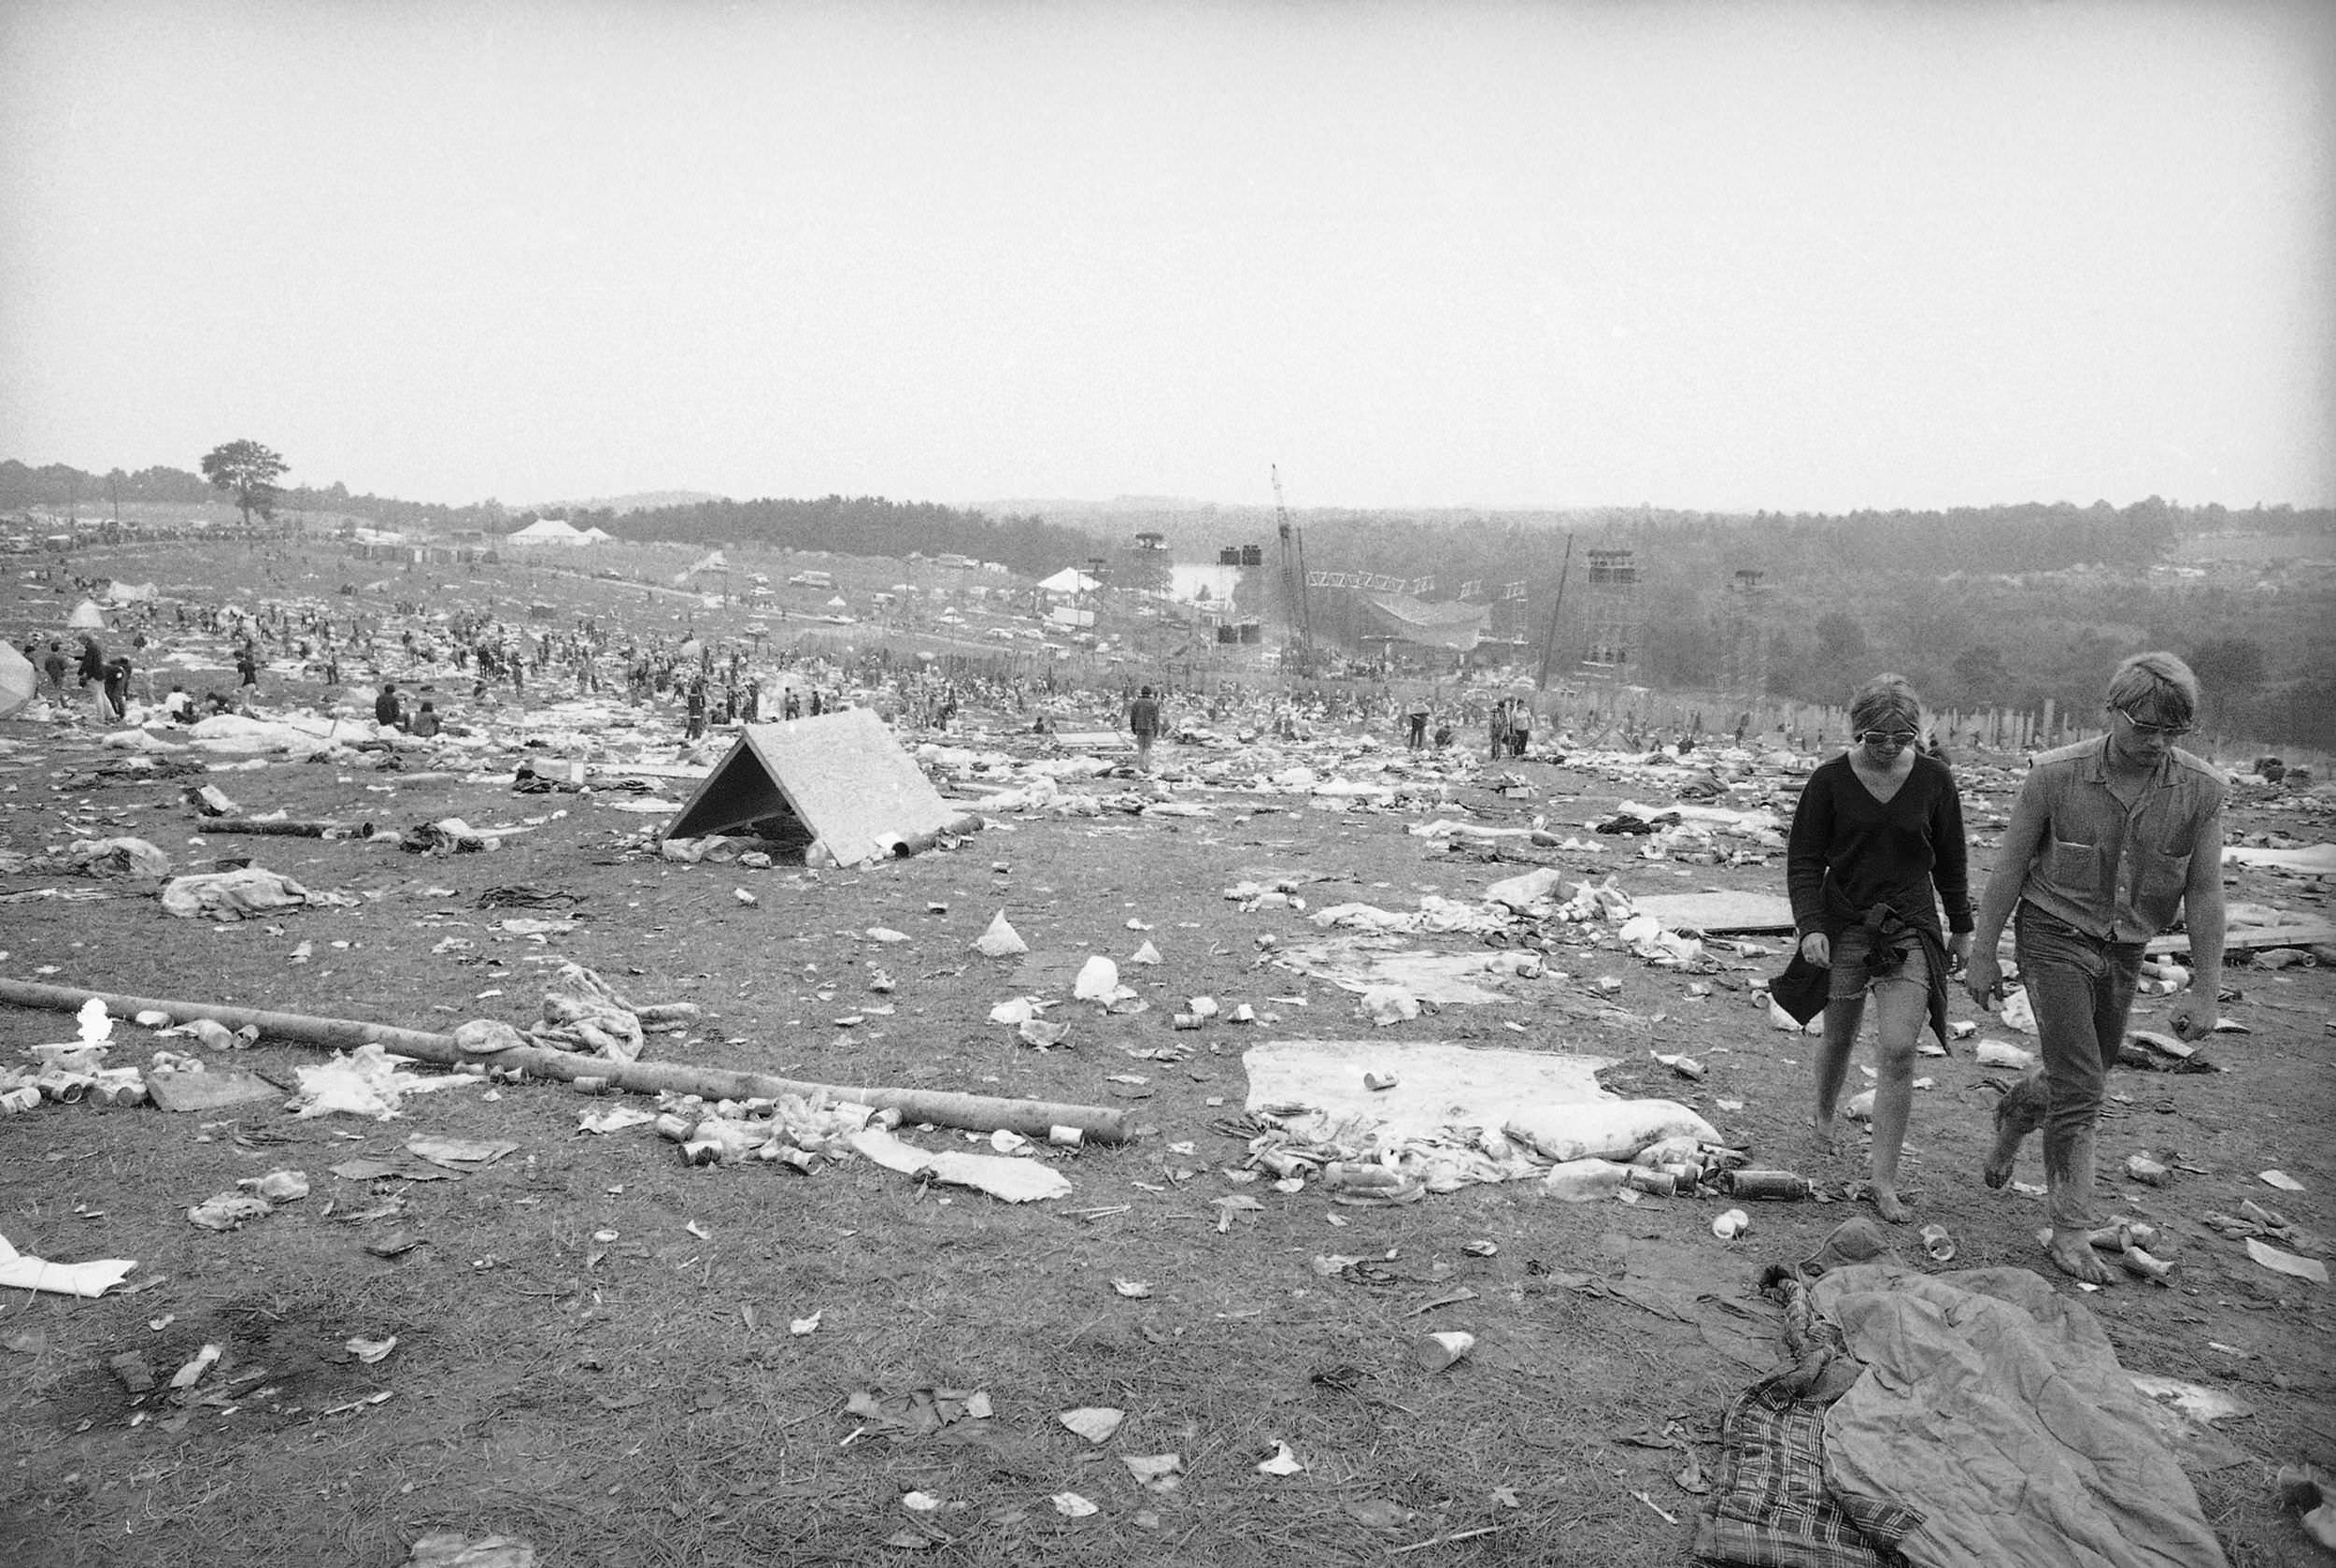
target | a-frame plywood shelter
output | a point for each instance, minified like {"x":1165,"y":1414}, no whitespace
{"x":842,"y":775}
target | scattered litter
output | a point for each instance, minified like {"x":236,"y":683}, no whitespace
{"x":230,"y":1211}
{"x":2271,"y":1258}
{"x":367,"y":1081}
{"x":1282,"y":1462}
{"x":1013,"y":1180}
{"x":20,"y":1271}
{"x":1096,"y":1424}
{"x":1000,"y":939}
{"x":450,"y":1549}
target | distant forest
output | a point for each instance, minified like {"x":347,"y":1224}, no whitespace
{"x":1980,"y":606}
{"x":846,"y":525}
{"x":856,"y":525}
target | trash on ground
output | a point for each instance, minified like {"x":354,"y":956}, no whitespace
{"x":22,"y":1271}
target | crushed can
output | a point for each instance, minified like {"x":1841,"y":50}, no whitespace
{"x":1939,"y":1243}
{"x":1771,"y":1186}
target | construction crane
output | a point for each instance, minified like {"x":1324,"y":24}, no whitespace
{"x":1300,"y":650}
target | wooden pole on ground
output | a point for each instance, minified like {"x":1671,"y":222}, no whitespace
{"x":1032,"y":1118}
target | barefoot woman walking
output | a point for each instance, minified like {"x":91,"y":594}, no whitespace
{"x":1877,"y":829}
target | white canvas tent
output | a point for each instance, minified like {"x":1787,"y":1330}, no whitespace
{"x":547,"y":531}
{"x":1068,"y":580}
{"x":840,"y":780}
{"x":17,"y":680}
{"x":85,"y":617}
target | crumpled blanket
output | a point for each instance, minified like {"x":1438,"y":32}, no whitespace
{"x":118,"y":857}
{"x":232,"y":895}
{"x":1995,"y":1408}
{"x":584,"y":1013}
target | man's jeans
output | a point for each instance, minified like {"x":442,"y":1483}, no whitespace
{"x":2081,"y":989}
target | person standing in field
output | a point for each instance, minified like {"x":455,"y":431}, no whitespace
{"x":1144,"y":724}
{"x":2109,"y":840}
{"x":1876,"y":846}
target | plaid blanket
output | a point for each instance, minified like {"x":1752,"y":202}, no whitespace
{"x":1770,"y":1507}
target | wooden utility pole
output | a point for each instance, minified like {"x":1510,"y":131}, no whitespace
{"x":1549,"y":642}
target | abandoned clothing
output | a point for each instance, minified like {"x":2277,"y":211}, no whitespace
{"x":1848,"y":852}
{"x":2114,"y":873}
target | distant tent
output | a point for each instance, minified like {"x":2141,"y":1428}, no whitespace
{"x":840,"y":781}
{"x":17,"y":680}
{"x":836,"y":603}
{"x":1069,"y":580}
{"x":119,"y":592}
{"x":85,"y":617}
{"x":547,"y":531}
{"x":597,"y":537}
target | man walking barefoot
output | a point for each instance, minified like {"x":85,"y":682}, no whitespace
{"x":2109,"y":839}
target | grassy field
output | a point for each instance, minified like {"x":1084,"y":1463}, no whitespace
{"x":596,"y":1340}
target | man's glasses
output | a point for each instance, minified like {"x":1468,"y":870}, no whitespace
{"x":2149,"y":732}
{"x":1901,"y":738}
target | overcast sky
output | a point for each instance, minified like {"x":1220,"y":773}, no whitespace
{"x":1801,"y":256}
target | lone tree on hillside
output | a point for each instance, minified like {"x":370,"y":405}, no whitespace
{"x":247,"y":471}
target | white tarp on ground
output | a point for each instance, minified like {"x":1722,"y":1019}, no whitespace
{"x":1436,"y":1084}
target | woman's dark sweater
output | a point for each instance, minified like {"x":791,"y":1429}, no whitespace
{"x":1848,"y":852}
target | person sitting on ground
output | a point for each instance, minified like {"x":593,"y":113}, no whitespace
{"x":1877,"y":830}
{"x":386,"y":709}
{"x":178,"y":705}
{"x":425,"y":725}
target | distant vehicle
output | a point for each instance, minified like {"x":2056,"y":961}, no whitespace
{"x":811,"y":579}
{"x":610,"y":573}
{"x":761,"y":580}
{"x":759,"y":592}
{"x":957,"y":562}
{"x":1005,"y":634}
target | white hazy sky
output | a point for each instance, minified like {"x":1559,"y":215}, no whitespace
{"x":1803,"y":256}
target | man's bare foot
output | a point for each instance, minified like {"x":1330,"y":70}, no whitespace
{"x":1822,"y":1139}
{"x":1887,"y":1204}
{"x":2074,"y":1256}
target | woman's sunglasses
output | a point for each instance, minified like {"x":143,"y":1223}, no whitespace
{"x":1887,"y":737}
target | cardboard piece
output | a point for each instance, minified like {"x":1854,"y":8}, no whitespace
{"x":1718,"y":912}
{"x":205,"y":1091}
{"x":841,"y":776}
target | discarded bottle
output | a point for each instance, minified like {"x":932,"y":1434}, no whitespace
{"x":1436,"y":1351}
{"x":1686,"y":1173}
{"x":1775,"y":1186}
{"x":1663,"y":1184}
{"x":1938,"y":1243}
{"x":1353,"y":1175}
{"x":1582,"y":1181}
{"x":18,"y":1100}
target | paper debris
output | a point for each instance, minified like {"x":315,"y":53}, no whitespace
{"x":20,"y":1271}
